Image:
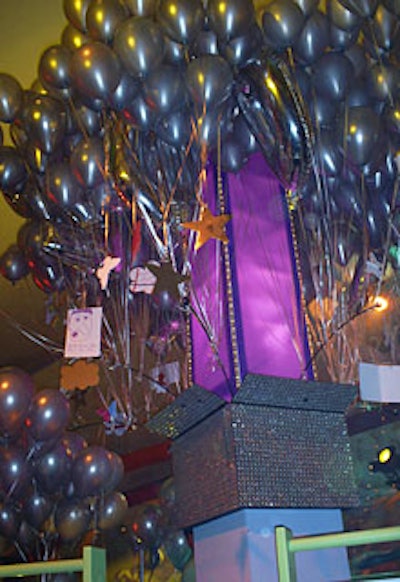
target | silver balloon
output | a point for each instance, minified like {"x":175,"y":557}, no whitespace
{"x":277,"y":117}
{"x":244,"y":136}
{"x":52,"y":470}
{"x":9,"y":521}
{"x":356,"y":54}
{"x":44,"y":121}
{"x":13,"y":267}
{"x":13,"y":171}
{"x":364,"y":8}
{"x":178,"y":549}
{"x":15,"y":472}
{"x":329,"y":156}
{"x":91,"y":471}
{"x":333,"y":75}
{"x":127,"y":89}
{"x":313,"y":39}
{"x":139,"y":43}
{"x":347,"y":198}
{"x":73,"y":38}
{"x":244,"y":49}
{"x":103,"y":17}
{"x":17,"y":389}
{"x":209,"y":80}
{"x":141,"y":7}
{"x":88,"y":161}
{"x":206,"y":43}
{"x":62,"y":188}
{"x":233,"y":155}
{"x":324,"y":112}
{"x":230,"y":19}
{"x":139,"y":114}
{"x":384,"y":28}
{"x":307,"y":6}
{"x":11,"y":95}
{"x":175,"y":128}
{"x":361,"y":133}
{"x":181,"y":20}
{"x":340,"y":39}
{"x":383,"y":81}
{"x":48,"y":415}
{"x":164,"y":89}
{"x":54,"y":67}
{"x":37,"y":508}
{"x":360,"y":95}
{"x":282,"y":22}
{"x":87,"y":121}
{"x":341,"y":17}
{"x":112,"y":512}
{"x":175,"y":53}
{"x":72,"y":519}
{"x":95,"y":71}
{"x":76,"y":12}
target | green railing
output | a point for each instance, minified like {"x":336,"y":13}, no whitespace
{"x":92,"y":564}
{"x":287,"y":545}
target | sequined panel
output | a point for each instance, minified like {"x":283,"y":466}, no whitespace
{"x":190,"y":408}
{"x":205,"y":478}
{"x":292,"y":458}
{"x":290,"y":393}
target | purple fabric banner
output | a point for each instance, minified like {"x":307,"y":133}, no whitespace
{"x":269,"y":327}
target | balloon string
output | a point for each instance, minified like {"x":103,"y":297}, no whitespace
{"x":46,"y":343}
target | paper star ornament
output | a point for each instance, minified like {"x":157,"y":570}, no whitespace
{"x":208,"y":226}
{"x":103,"y":272}
{"x":168,"y":280}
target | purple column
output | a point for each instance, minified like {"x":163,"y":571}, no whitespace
{"x":269,"y":327}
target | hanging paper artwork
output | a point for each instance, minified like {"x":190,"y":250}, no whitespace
{"x":83,"y":334}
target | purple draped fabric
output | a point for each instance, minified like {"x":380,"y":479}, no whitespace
{"x":268,"y":323}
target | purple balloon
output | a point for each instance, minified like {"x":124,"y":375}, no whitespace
{"x":16,"y":391}
{"x":48,"y":415}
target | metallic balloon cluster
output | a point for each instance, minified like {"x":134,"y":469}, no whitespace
{"x":54,"y":488}
{"x":108,"y":157}
{"x":345,"y":61}
{"x":139,"y":96}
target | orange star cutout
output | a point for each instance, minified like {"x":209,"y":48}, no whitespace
{"x":208,"y":226}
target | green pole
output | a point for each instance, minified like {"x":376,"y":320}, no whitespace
{"x":285,"y":558}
